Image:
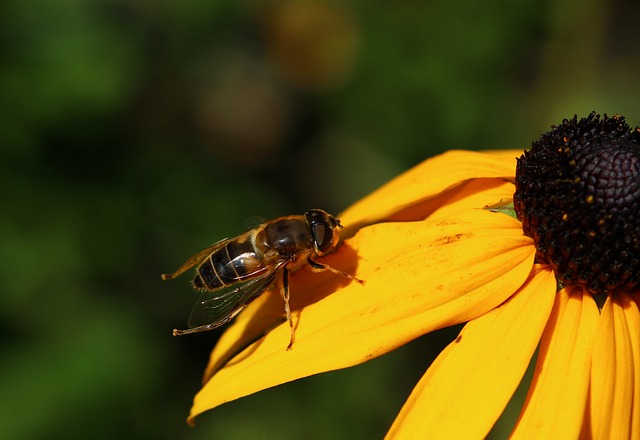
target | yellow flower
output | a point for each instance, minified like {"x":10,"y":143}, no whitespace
{"x":434,"y":253}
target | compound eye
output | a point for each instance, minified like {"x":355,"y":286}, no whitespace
{"x":322,"y":237}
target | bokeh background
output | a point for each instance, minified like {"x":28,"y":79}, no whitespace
{"x":133,"y":133}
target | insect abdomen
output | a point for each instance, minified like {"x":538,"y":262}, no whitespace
{"x":235,"y":261}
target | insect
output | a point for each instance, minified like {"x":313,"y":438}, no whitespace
{"x":233,"y":272}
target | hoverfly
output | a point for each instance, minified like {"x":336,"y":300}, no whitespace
{"x":233,"y":272}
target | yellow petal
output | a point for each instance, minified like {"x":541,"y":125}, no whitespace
{"x":634,"y":333}
{"x":484,"y":364}
{"x":557,"y":397}
{"x":615,"y":372}
{"x":473,"y":194}
{"x":419,"y":276}
{"x":267,"y":311}
{"x":427,"y":180}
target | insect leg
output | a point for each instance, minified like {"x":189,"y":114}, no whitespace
{"x":202,"y":328}
{"x":321,"y":267}
{"x":285,"y":296}
{"x":207,"y":327}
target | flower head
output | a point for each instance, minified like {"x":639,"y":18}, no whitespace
{"x":436,"y":249}
{"x":578,"y":196}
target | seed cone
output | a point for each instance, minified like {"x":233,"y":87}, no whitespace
{"x":578,"y":196}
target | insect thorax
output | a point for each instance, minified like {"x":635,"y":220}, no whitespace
{"x":290,"y":236}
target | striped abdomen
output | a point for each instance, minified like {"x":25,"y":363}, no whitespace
{"x":234,"y":261}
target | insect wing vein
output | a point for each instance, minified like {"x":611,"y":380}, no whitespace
{"x":197,"y":259}
{"x":215,"y":308}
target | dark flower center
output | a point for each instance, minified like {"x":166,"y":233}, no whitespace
{"x":578,"y":196}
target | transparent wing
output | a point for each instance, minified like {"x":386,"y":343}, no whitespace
{"x":217,"y":307}
{"x":196,"y":259}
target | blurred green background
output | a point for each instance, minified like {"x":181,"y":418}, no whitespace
{"x":136,"y":132}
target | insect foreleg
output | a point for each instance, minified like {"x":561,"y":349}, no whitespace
{"x":284,"y":292}
{"x":322,"y":267}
